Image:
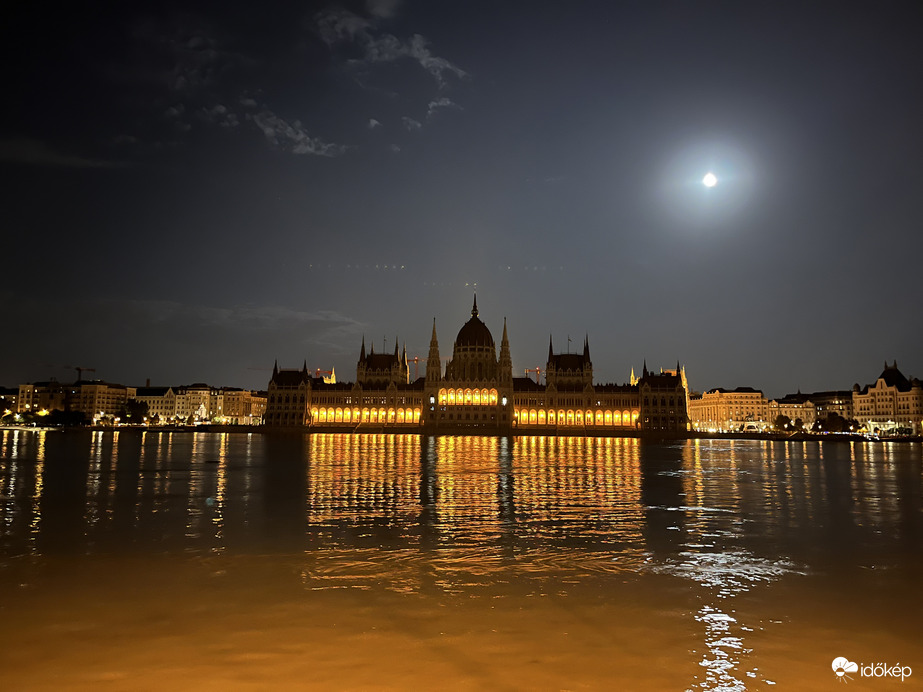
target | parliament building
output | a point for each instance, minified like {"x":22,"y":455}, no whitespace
{"x":478,"y":394}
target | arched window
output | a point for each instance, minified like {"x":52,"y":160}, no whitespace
{"x":416,"y":415}
{"x":476,"y":397}
{"x":541,"y":416}
{"x":400,"y":415}
{"x":533,"y":417}
{"x":468,"y":396}
{"x":338,"y":416}
{"x":626,"y":418}
{"x":561,"y":419}
{"x":322,"y":417}
{"x":374,"y":415}
{"x":382,"y":415}
{"x":443,"y":396}
{"x":355,"y":415}
{"x":493,"y":396}
{"x":570,"y":417}
{"x":331,"y":415}
{"x":551,"y":418}
{"x":451,"y":397}
{"x":599,"y":418}
{"x":578,"y":417}
{"x":314,"y":414}
{"x":608,"y":417}
{"x":634,"y":417}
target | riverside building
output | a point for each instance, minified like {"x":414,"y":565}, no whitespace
{"x":477,"y":394}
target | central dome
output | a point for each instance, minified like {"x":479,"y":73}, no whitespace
{"x":474,"y":332}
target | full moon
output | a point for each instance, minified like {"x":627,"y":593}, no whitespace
{"x":710,"y":180}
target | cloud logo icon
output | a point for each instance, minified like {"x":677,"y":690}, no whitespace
{"x":841,"y":666}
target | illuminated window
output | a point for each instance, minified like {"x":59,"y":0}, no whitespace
{"x":533,"y":417}
{"x":476,"y":397}
{"x":541,"y":417}
{"x":467,"y":396}
{"x":493,"y":396}
{"x":416,"y":415}
{"x":599,"y":418}
{"x":331,"y":415}
{"x":443,"y":396}
{"x":374,"y":415}
{"x":451,"y":397}
{"x":551,"y":418}
{"x":570,"y":417}
{"x":634,"y":417}
{"x":608,"y":417}
{"x":578,"y":418}
{"x":400,"y":415}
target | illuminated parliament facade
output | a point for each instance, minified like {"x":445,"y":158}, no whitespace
{"x":478,"y":394}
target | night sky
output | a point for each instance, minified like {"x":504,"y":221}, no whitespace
{"x":193,"y":190}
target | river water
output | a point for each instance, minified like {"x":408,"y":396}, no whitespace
{"x":150,"y":561}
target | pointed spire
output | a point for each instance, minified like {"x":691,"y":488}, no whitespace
{"x":550,"y":349}
{"x":396,"y":352}
{"x":304,"y":366}
{"x":633,"y":380}
{"x":433,"y":362}
{"x":644,"y":371}
{"x":586,"y":347}
{"x":275,"y":369}
{"x":362,"y":352}
{"x":506,"y":361}
{"x":474,"y":310}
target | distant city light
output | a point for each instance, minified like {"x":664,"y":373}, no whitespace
{"x":710,"y":180}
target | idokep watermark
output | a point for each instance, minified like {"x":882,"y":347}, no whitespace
{"x":842,"y":667}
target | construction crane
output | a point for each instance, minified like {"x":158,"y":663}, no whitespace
{"x":416,"y":360}
{"x":538,"y":374}
{"x":328,"y":375}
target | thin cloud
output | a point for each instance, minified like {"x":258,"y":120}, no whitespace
{"x":32,"y":152}
{"x":373,"y":123}
{"x":384,"y":9}
{"x":341,"y":26}
{"x":291,"y":136}
{"x":436,"y":104}
{"x":410,"y":124}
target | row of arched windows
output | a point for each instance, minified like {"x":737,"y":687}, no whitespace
{"x":468,"y":397}
{"x":356,"y":416}
{"x":575,"y":417}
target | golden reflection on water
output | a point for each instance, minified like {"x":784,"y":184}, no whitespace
{"x":702,"y":535}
